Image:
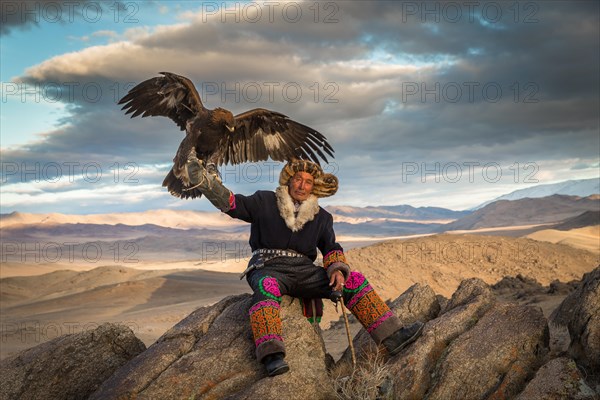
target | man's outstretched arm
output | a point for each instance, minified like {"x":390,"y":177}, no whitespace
{"x":210,"y":185}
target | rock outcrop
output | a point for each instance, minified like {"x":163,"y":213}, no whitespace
{"x":581,"y":312}
{"x":210,"y":355}
{"x":415,"y":366}
{"x":557,"y":380}
{"x":472,"y":347}
{"x":70,"y":366}
{"x":493,"y":359}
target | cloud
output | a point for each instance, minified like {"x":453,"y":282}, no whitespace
{"x":387,"y":84}
{"x":27,"y":13}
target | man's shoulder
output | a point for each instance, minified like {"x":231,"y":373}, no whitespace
{"x":323,"y":212}
{"x":263,"y":195}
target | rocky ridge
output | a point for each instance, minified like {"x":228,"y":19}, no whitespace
{"x":473,"y":346}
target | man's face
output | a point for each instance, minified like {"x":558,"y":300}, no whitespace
{"x":300,"y":186}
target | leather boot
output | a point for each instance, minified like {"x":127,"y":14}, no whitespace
{"x":403,"y":337}
{"x":275,"y":364}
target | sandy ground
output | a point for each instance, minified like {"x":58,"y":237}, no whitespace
{"x":182,"y":219}
{"x":443,"y":261}
{"x":41,"y":302}
{"x":13,"y":269}
{"x":38,"y":308}
{"x":587,"y":238}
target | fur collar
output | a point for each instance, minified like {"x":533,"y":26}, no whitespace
{"x":308,"y":209}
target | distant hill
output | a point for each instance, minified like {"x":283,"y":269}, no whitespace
{"x":178,"y":219}
{"x":588,"y":218}
{"x":119,"y":243}
{"x":384,"y":228}
{"x":527,"y":211}
{"x":181,"y":234}
{"x":111,"y":232}
{"x":389,"y":221}
{"x":580,"y":187}
{"x":404,"y":212}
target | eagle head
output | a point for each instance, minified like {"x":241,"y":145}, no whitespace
{"x":223,"y":118}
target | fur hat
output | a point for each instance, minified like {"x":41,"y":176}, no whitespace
{"x":325,"y":184}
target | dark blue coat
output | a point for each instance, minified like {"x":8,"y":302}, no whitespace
{"x":269,"y":231}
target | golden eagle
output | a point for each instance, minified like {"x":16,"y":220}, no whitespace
{"x":216,"y":136}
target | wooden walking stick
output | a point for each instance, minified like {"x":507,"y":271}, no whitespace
{"x":338,"y":297}
{"x":348,"y":331}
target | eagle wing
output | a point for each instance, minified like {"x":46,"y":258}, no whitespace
{"x":260,"y":134}
{"x":171,"y":95}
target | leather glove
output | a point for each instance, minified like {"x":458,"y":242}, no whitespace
{"x":209,"y":184}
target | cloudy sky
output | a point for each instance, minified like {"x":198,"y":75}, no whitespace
{"x":445,"y":104}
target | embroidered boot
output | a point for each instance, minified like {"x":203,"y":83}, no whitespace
{"x":403,"y":337}
{"x":275,"y":364}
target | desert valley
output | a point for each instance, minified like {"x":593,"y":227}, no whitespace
{"x":65,"y":274}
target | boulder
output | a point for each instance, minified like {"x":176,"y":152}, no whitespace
{"x":559,"y":379}
{"x":210,"y":355}
{"x":580,"y":311}
{"x":140,"y":372}
{"x":412,"y":369}
{"x":518,"y":283}
{"x":562,"y":288}
{"x":70,"y":366}
{"x":494,"y":359}
{"x":417,"y":303}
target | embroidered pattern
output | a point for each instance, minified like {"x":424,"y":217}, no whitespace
{"x":265,"y":322}
{"x":262,"y":304}
{"x":355,"y":282}
{"x":269,"y":287}
{"x":365,"y":304}
{"x":232,"y":205}
{"x":379,"y":321}
{"x":334,"y":256}
{"x":365,"y":288}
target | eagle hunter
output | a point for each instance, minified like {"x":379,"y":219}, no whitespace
{"x":217,"y":137}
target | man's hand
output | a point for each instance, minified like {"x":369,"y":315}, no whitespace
{"x":209,"y":184}
{"x":337,"y":281}
{"x":195,"y":171}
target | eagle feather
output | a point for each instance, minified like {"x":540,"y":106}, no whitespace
{"x":217,"y":136}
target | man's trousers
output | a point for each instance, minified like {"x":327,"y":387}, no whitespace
{"x":298,"y":277}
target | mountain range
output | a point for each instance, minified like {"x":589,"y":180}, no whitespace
{"x":399,"y":213}
{"x":193,"y":235}
{"x":579,"y":187}
{"x":527,"y":211}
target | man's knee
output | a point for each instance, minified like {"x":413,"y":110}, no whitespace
{"x":268,"y":286}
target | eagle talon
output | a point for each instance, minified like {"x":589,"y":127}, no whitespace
{"x":211,"y":168}
{"x":193,"y":157}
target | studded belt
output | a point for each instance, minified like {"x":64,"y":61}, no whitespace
{"x":261,"y":256}
{"x":272,"y":253}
